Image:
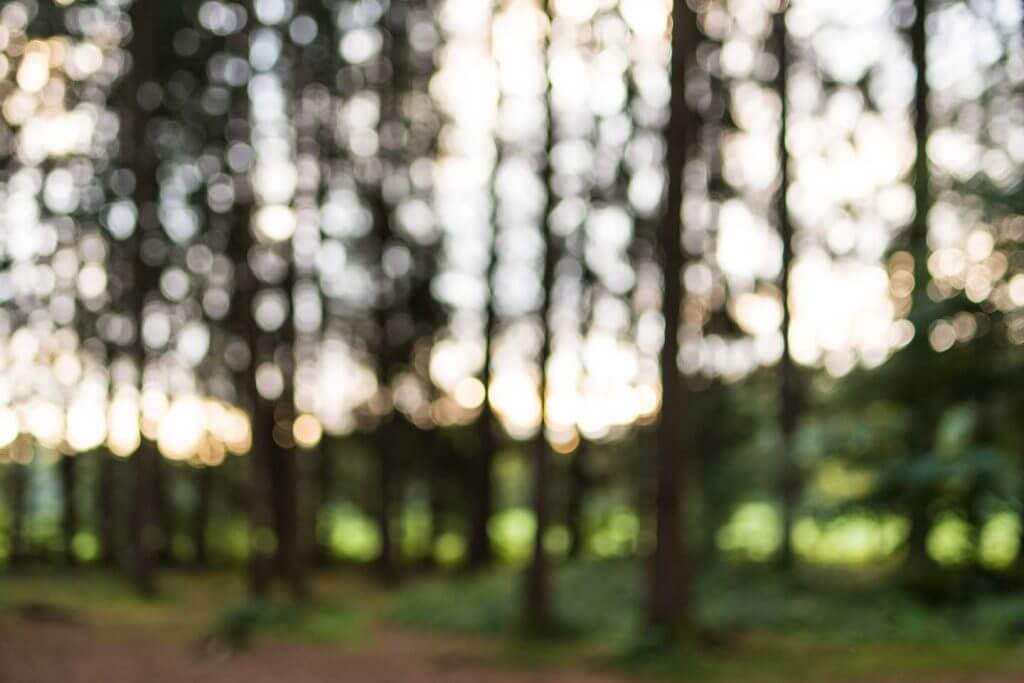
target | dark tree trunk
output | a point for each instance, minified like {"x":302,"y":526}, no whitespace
{"x":435,"y":442}
{"x":260,"y":509}
{"x":105,"y":509}
{"x":789,"y":387}
{"x":201,"y":521}
{"x":69,"y":518}
{"x":387,"y":484}
{"x":19,"y":502}
{"x":285,"y":492}
{"x":579,"y":485}
{"x":537,"y":594}
{"x":481,"y":494}
{"x":148,"y":26}
{"x":480,"y":552}
{"x":145,"y":530}
{"x":324,"y":492}
{"x":669,"y":595}
{"x":164,"y":512}
{"x":921,"y":424}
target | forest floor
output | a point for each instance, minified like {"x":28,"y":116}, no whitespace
{"x":51,"y":653}
{"x":91,"y":628}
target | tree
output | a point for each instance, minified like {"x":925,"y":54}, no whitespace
{"x":537,"y":607}
{"x":669,"y":588}
{"x":140,"y":98}
{"x":922,"y":419}
{"x":789,"y":381}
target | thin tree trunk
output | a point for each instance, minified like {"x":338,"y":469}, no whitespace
{"x":105,"y":509}
{"x":481,"y":551}
{"x":537,"y":606}
{"x":435,"y":441}
{"x":19,"y":501}
{"x":669,"y":595}
{"x":921,"y":426}
{"x":145,"y":536}
{"x":201,"y":521}
{"x":69,"y":518}
{"x":481,"y":495}
{"x":579,"y":485}
{"x":285,"y":487}
{"x":387,"y":564}
{"x":261,"y":513}
{"x":148,"y":25}
{"x":325,"y":486}
{"x":789,"y":388}
{"x":164,"y":513}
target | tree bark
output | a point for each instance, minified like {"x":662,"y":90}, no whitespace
{"x":579,"y":485}
{"x":669,"y":594}
{"x":69,"y":518}
{"x":146,"y":531}
{"x":387,"y":557}
{"x":148,"y":26}
{"x":921,"y":425}
{"x":201,"y":521}
{"x":105,"y":509}
{"x":789,"y":387}
{"x":260,"y":510}
{"x":19,"y":501}
{"x":481,"y":495}
{"x":537,"y":605}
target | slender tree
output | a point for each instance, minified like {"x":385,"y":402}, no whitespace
{"x":69,"y":518}
{"x":669,"y":595}
{"x":140,"y":99}
{"x":537,"y":594}
{"x":480,"y":551}
{"x":789,"y":387}
{"x":18,"y":496}
{"x":922,"y":425}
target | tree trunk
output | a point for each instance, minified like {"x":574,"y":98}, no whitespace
{"x":537,"y":606}
{"x":146,"y":530}
{"x":285,"y":491}
{"x":921,"y":424}
{"x":669,"y":595}
{"x":149,"y":23}
{"x":387,"y":483}
{"x":201,"y":521}
{"x":579,"y":484}
{"x":481,"y":494}
{"x":164,"y":513}
{"x":789,"y":389}
{"x":69,"y":519}
{"x":324,"y":491}
{"x":19,"y":501}
{"x":435,"y":441}
{"x":260,"y":510}
{"x":105,"y":509}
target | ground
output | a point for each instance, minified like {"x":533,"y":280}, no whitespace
{"x":48,"y":653}
{"x":91,"y":628}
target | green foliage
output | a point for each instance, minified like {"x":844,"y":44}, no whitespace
{"x":240,"y":626}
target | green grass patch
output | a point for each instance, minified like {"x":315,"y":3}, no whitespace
{"x":103,"y":597}
{"x":243,"y":625}
{"x":753,"y":625}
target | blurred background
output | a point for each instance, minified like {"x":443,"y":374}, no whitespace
{"x":662,"y":336}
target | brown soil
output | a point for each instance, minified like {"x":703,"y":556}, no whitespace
{"x":34,"y":651}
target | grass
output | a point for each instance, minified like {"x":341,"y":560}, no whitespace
{"x":102,"y":597}
{"x":243,"y":625}
{"x":761,"y":627}
{"x":764,"y":628}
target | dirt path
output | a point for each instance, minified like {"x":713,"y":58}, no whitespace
{"x":33,"y":652}
{"x":38,"y":652}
